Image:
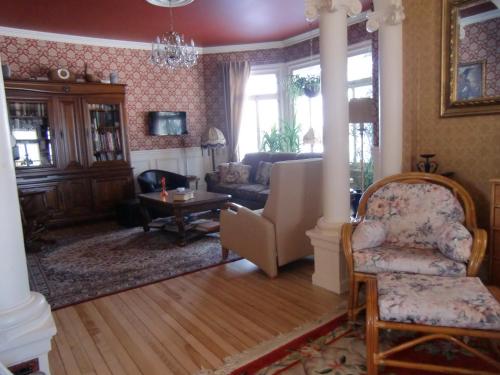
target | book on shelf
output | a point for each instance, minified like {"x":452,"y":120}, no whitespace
{"x":183,"y":195}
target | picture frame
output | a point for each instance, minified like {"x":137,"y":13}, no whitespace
{"x":471,"y":80}
{"x":451,"y":60}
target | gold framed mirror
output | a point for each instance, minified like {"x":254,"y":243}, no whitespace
{"x":470,"y":57}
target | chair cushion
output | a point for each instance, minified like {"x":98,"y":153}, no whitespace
{"x":455,"y":241}
{"x":368,"y":234}
{"x":462,"y":302}
{"x":414,"y":213}
{"x":390,"y":258}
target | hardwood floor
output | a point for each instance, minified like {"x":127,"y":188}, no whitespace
{"x":181,"y":325}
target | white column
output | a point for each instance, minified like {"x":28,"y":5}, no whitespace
{"x":330,"y":269}
{"x":26,"y":325}
{"x":387,"y":19}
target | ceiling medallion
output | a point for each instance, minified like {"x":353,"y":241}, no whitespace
{"x":170,"y":4}
{"x":169,"y":50}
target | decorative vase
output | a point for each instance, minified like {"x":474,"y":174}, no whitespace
{"x":6,"y":72}
{"x":427,"y":166}
{"x":113,"y":77}
{"x":164,"y":193}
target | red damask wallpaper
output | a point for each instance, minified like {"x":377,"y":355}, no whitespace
{"x":481,"y":43}
{"x":198,"y":90}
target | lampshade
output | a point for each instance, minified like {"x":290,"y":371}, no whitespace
{"x":362,"y":111}
{"x":309,"y":138}
{"x":213,"y":138}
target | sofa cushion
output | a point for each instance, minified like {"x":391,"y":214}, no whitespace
{"x":234,"y":173}
{"x":413,"y":214}
{"x":253,"y":160}
{"x":462,"y":302}
{"x":455,"y":241}
{"x":263,"y":173}
{"x":248,"y":191}
{"x":390,"y":258}
{"x":368,"y":234}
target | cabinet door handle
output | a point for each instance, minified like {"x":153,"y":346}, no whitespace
{"x":61,"y":134}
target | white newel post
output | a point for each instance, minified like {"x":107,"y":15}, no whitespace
{"x":387,"y":19}
{"x":26,"y":324}
{"x":330,"y":270}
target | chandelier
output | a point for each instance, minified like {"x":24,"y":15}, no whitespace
{"x":170,"y":50}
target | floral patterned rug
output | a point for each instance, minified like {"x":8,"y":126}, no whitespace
{"x":91,"y":261}
{"x":339,"y":349}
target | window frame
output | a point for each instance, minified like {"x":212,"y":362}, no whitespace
{"x":278,"y":70}
{"x":284,"y":69}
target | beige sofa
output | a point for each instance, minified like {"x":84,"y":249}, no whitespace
{"x":275,"y":235}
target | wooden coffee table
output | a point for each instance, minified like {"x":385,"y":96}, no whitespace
{"x":202,"y":201}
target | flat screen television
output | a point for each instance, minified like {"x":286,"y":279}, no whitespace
{"x":167,"y":123}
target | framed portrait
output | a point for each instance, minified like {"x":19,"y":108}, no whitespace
{"x":471,"y":80}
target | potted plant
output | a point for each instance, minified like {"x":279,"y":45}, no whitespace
{"x":309,"y":85}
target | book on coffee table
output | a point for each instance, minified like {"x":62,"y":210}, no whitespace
{"x":183,"y":195}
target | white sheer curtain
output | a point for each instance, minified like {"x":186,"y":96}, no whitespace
{"x":235,"y":76}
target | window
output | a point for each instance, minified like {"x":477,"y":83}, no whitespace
{"x":309,"y":112}
{"x":359,"y":76}
{"x":261,"y":111}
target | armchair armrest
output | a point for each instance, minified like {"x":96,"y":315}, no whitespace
{"x":250,"y":235}
{"x":212,"y":178}
{"x":346,"y":238}
{"x":233,"y":206}
{"x":478,"y":251}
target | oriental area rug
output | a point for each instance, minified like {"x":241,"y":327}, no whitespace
{"x":91,"y":261}
{"x":338,"y":348}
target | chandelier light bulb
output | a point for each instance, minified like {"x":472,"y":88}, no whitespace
{"x":170,"y":49}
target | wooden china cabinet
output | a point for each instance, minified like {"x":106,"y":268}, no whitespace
{"x":70,"y":144}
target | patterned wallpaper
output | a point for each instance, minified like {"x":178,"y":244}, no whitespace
{"x":468,"y":146}
{"x":482,"y":43}
{"x":148,"y":88}
{"x":198,"y":90}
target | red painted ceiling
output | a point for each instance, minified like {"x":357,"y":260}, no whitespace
{"x":208,"y":22}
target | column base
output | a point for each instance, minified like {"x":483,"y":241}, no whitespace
{"x":330,"y":268}
{"x":26,"y":331}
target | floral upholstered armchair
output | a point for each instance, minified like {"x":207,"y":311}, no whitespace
{"x":412,"y":223}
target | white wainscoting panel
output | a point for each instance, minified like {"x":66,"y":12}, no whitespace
{"x":178,"y":160}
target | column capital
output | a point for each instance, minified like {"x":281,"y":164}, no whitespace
{"x":393,"y":14}
{"x":314,"y":7}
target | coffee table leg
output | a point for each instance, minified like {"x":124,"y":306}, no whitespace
{"x":179,"y":220}
{"x":146,"y":219}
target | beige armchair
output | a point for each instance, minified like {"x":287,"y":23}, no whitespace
{"x":276,"y":235}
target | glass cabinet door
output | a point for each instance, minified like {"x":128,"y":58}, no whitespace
{"x":31,"y":138}
{"x":106,"y":132}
